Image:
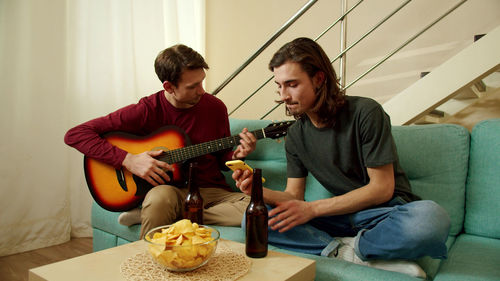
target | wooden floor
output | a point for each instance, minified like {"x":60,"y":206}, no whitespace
{"x":15,"y":267}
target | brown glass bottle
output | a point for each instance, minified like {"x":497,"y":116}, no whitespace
{"x":256,"y":220}
{"x":193,"y":205}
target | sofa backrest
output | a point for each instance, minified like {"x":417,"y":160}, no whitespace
{"x":483,"y":181}
{"x":435,"y":159}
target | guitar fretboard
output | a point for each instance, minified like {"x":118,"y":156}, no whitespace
{"x":192,"y":151}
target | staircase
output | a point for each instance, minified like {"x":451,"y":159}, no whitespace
{"x":466,"y":82}
{"x":468,"y":79}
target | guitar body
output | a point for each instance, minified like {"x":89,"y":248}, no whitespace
{"x":120,"y":190}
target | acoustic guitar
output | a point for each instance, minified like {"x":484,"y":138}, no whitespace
{"x":119,"y":190}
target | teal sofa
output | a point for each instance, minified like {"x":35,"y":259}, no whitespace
{"x":445,"y":163}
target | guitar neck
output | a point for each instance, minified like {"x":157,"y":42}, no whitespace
{"x":193,"y":151}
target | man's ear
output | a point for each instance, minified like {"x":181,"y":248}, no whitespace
{"x":319,"y":79}
{"x":169,"y":87}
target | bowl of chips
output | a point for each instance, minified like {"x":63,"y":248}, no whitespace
{"x":182,"y":246}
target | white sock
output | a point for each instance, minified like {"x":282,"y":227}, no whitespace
{"x":403,"y":266}
{"x":130,"y":217}
{"x":347,"y":253}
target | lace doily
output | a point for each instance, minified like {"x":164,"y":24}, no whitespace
{"x":224,"y":265}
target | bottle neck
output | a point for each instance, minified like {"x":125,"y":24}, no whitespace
{"x":191,"y":182}
{"x":192,"y":187}
{"x":257,"y":186}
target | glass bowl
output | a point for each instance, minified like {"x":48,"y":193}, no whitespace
{"x":184,"y":257}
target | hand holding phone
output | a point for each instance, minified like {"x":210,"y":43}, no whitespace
{"x":238,"y":164}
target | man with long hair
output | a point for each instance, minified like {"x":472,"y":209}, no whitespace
{"x":346,"y":143}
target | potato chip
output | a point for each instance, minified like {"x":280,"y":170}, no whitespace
{"x":184,"y":245}
{"x":184,"y":226}
{"x":197,"y":240}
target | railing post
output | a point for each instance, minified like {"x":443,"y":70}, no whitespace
{"x":343,"y":36}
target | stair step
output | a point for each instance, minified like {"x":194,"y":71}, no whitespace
{"x":451,"y":80}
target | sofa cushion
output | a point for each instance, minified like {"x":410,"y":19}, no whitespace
{"x":430,"y":265}
{"x":335,"y":269}
{"x":483,"y":183}
{"x":435,"y":159}
{"x":107,"y":221}
{"x":102,"y":240}
{"x":471,"y":258}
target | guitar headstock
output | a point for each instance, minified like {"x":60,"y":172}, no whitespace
{"x":278,"y":129}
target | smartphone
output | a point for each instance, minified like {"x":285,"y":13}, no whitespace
{"x":238,"y":164}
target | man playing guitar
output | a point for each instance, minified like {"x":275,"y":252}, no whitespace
{"x":183,"y":103}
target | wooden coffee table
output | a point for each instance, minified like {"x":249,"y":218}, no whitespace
{"x":105,"y":265}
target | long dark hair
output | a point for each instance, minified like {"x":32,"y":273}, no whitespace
{"x":312,"y":58}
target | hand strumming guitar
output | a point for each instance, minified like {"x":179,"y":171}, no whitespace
{"x":147,"y":167}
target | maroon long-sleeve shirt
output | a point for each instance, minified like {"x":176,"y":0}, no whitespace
{"x":206,"y":121}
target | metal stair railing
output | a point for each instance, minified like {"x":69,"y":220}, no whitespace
{"x":405,"y":43}
{"x":271,"y":77}
{"x":265,"y":45}
{"x":342,"y":54}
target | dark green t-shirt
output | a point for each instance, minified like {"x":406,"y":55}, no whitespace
{"x":338,"y":157}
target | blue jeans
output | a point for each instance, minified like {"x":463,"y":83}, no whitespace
{"x":398,"y":230}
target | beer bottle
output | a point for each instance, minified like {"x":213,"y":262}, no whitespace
{"x":256,"y":220}
{"x":193,"y":205}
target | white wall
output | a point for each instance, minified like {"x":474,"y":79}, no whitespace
{"x":236,"y":29}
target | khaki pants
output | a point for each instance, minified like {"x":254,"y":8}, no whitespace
{"x":164,"y":204}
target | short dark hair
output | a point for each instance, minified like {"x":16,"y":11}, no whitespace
{"x":171,"y":62}
{"x":312,"y":59}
